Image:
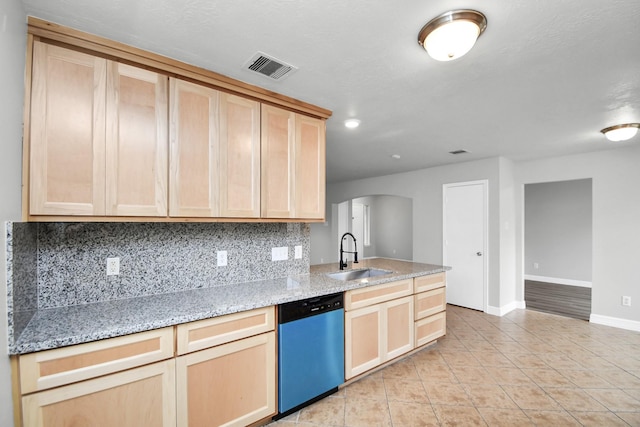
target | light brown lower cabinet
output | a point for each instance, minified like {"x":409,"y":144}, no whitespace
{"x":228,"y":385}
{"x":224,"y":375}
{"x":430,"y":308}
{"x":377,"y":333}
{"x":430,"y":328}
{"x":143,"y":396}
{"x":385,"y":321}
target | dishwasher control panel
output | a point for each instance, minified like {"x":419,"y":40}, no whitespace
{"x":295,"y":310}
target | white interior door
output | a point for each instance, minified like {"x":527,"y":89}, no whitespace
{"x":464,"y":245}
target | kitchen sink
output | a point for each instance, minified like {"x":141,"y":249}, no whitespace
{"x":362,"y":273}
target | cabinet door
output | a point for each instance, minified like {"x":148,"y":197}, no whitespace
{"x":363,"y":341}
{"x":194,"y":162}
{"x":231,"y":385}
{"x":278,"y":171}
{"x":239,"y":157}
{"x":137,"y":142}
{"x":67,"y":132}
{"x":310,"y":168}
{"x":138,"y":397}
{"x":398,"y":327}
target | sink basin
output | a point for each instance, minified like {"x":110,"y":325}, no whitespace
{"x":358,"y":274}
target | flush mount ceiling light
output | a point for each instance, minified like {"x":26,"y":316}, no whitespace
{"x":352,"y":123}
{"x":452,"y":34}
{"x":621,"y":132}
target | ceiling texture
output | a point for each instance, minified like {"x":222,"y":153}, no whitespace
{"x":541,"y":81}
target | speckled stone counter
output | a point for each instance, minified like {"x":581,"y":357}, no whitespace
{"x":63,"y":326}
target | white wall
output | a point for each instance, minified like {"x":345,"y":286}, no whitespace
{"x":13,"y":34}
{"x":392,"y":220}
{"x":557,"y":229}
{"x":391,"y":227}
{"x":425,"y":188}
{"x":507,"y":233}
{"x":616,"y":224}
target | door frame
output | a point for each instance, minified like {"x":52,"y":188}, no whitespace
{"x":485,"y":237}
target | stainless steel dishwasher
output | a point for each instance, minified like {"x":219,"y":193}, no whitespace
{"x":311,"y":351}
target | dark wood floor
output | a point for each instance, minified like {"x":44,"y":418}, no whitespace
{"x":565,"y":300}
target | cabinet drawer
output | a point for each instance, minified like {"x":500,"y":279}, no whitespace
{"x":430,"y":328}
{"x":432,"y":281}
{"x":430,"y":302}
{"x":363,"y":297}
{"x":52,"y":368}
{"x":220,"y":330}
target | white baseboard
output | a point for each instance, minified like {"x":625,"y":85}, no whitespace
{"x":558,"y":281}
{"x":501,"y":311}
{"x":631,"y":325}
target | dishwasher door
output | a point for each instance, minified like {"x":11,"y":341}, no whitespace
{"x":311,"y":359}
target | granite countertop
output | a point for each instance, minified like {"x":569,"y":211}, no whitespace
{"x":59,"y":327}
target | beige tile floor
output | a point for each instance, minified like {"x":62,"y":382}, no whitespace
{"x":524,"y":369}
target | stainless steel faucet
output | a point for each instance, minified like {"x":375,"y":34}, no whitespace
{"x":343,"y":264}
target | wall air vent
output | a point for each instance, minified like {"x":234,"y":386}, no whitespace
{"x":269,"y":66}
{"x":458,"y":152}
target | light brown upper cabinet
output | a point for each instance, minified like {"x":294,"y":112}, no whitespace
{"x":215,"y":153}
{"x":195,"y":161}
{"x":136,"y":141}
{"x":67,"y":156}
{"x":278,"y":166}
{"x":239,"y":157}
{"x":310,"y":167}
{"x":293,"y":165}
{"x":98,"y":140}
{"x":110,"y":137}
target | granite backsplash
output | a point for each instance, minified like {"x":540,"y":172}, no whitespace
{"x":64,"y":264}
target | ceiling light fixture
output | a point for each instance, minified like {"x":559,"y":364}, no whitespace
{"x":621,"y":132}
{"x":352,"y":123}
{"x":452,"y":34}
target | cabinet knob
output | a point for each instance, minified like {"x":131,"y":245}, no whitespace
{"x":479,"y":253}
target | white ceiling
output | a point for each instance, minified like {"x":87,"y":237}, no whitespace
{"x":542,"y":80}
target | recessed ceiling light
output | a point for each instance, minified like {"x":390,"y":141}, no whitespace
{"x":395,"y":156}
{"x":621,"y":132}
{"x":352,"y":123}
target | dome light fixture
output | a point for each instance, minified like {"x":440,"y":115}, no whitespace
{"x":452,"y":34}
{"x":352,"y":123}
{"x":621,"y":132}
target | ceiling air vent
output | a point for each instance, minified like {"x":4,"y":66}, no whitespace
{"x":458,"y":152}
{"x":269,"y":66}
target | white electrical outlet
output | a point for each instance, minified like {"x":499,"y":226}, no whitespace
{"x":536,"y":265}
{"x":113,"y":266}
{"x":222,"y":258}
{"x":280,"y":254}
{"x":298,"y":253}
{"x":626,"y":301}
